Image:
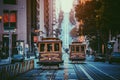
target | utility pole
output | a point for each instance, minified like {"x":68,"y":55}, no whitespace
{"x":9,"y":40}
{"x":99,"y":12}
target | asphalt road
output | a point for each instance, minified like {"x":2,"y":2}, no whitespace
{"x":88,"y":70}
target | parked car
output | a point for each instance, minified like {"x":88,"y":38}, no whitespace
{"x":100,"y":57}
{"x":17,"y":58}
{"x":114,"y":57}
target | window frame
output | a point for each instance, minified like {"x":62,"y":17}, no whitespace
{"x":42,"y":48}
{"x":10,"y":19}
{"x":56,"y":47}
{"x":11,"y":2}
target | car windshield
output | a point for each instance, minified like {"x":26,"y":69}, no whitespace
{"x":17,"y":56}
{"x":116,"y":54}
{"x":101,"y":55}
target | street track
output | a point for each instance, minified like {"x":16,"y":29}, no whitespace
{"x":79,"y":73}
{"x":102,"y":75}
{"x":51,"y":75}
{"x":31,"y":75}
{"x":74,"y":71}
{"x":89,"y":72}
{"x":39,"y":72}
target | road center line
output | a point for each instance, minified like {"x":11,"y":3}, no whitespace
{"x":89,"y":77}
{"x":103,"y":72}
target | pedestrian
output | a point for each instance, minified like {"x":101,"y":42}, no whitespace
{"x":20,"y":48}
{"x":26,"y":50}
{"x":35,"y":50}
{"x":66,"y":50}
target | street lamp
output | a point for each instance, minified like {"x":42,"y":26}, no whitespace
{"x":0,"y":18}
{"x":10,"y":43}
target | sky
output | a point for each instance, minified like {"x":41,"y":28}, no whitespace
{"x":66,"y":5}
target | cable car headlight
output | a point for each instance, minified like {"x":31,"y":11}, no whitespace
{"x":49,"y":58}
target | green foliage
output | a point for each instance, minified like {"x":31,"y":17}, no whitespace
{"x":112,"y":15}
{"x":85,"y":11}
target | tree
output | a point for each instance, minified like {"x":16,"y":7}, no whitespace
{"x":99,"y":16}
{"x":111,"y":16}
{"x":87,"y":12}
{"x":91,"y":13}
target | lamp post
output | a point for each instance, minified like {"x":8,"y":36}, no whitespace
{"x":99,"y":11}
{"x":10,"y":46}
{"x":0,"y":18}
{"x":9,"y":39}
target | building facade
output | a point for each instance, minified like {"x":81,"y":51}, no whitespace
{"x":25,"y":21}
{"x":49,"y":16}
{"x":13,"y":24}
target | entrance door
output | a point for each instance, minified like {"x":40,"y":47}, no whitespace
{"x":5,"y":48}
{"x":6,"y":44}
{"x":14,"y":48}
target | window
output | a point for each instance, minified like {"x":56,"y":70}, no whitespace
{"x":119,"y":40}
{"x":49,"y":47}
{"x":77,"y":48}
{"x":9,"y":18}
{"x":42,"y":47}
{"x":9,"y":2}
{"x":5,"y":48}
{"x":56,"y":46}
{"x":82,"y":48}
{"x":72,"y":48}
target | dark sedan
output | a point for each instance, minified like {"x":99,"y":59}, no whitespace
{"x":17,"y":58}
{"x":99,"y":57}
{"x":114,"y":57}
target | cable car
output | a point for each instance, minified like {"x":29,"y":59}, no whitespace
{"x":77,"y":51}
{"x":50,"y":51}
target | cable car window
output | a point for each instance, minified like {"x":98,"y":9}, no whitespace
{"x":56,"y":46}
{"x":49,"y":47}
{"x":72,"y":48}
{"x":42,"y":47}
{"x":82,"y":48}
{"x":77,"y":48}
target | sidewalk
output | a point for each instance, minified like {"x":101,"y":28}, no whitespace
{"x":31,"y":57}
{"x":4,"y":61}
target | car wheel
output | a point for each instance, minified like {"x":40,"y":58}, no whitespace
{"x":110,"y":62}
{"x":103,"y":60}
{"x":12,"y":62}
{"x":95,"y":60}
